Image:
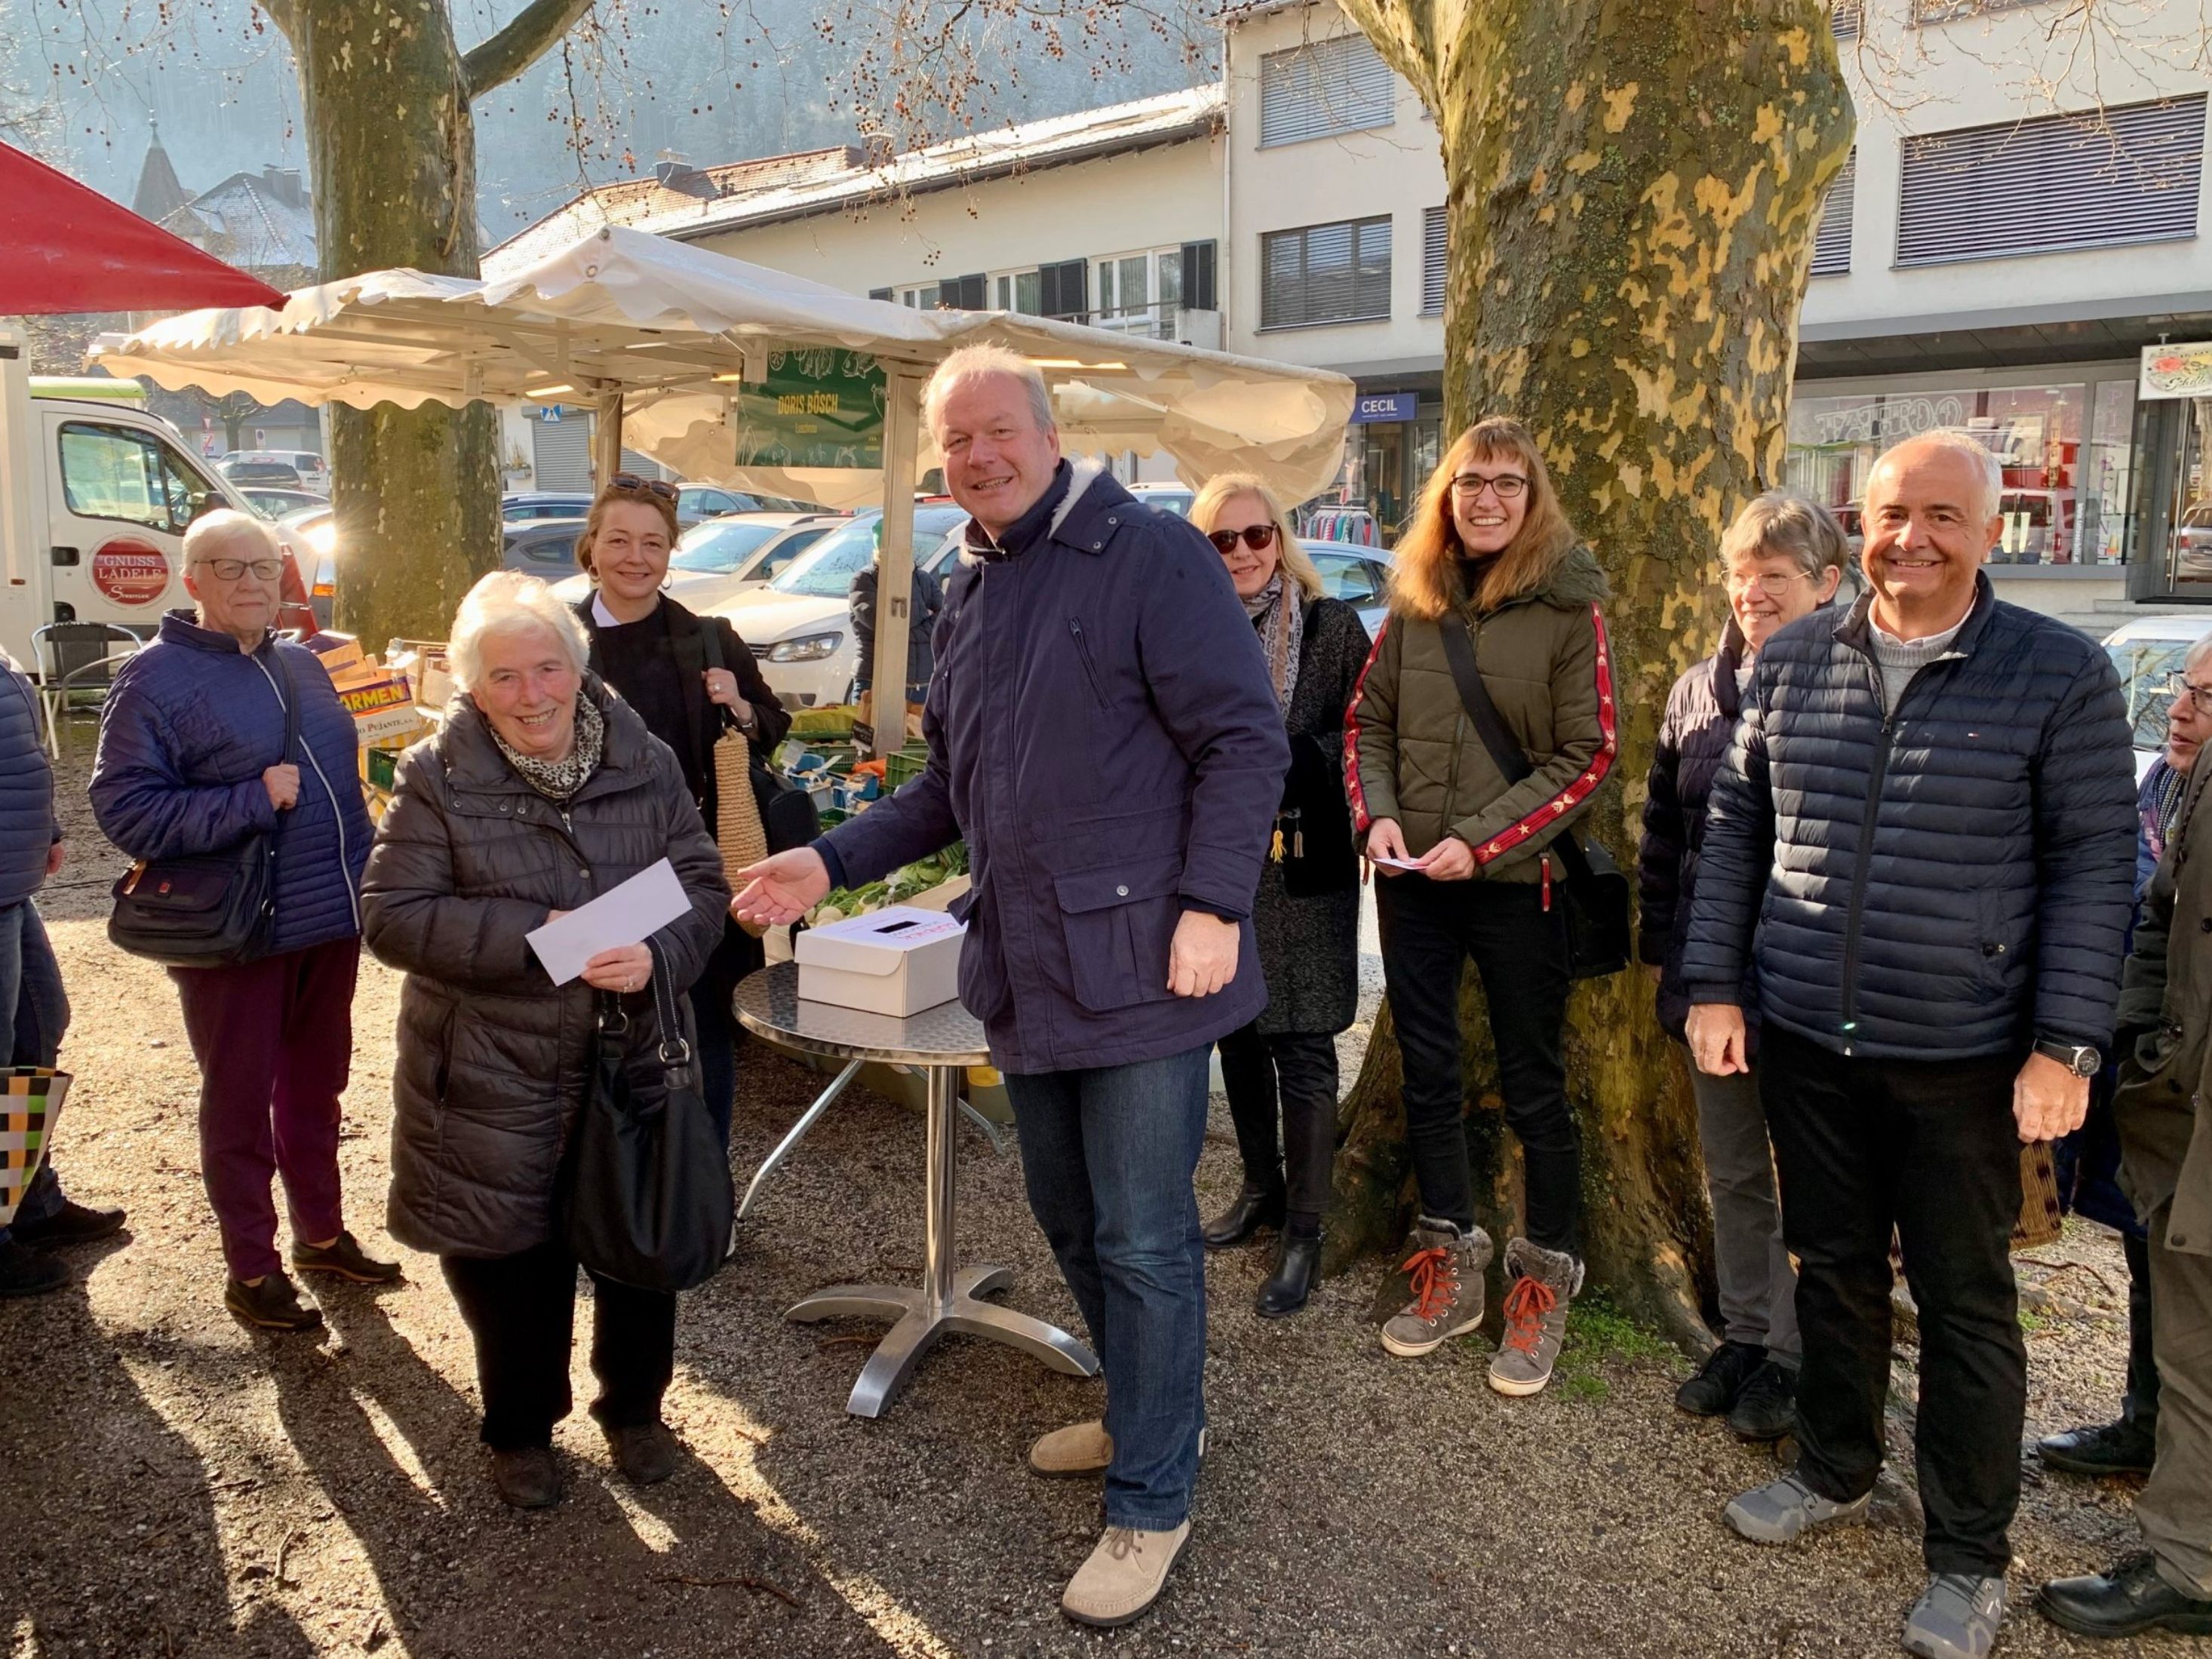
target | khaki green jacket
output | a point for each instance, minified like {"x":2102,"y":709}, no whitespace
{"x":1412,"y":754}
{"x":2164,"y":1103}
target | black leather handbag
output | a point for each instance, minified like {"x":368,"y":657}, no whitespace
{"x":1596,"y":893}
{"x":206,"y":909}
{"x":645,"y":1191}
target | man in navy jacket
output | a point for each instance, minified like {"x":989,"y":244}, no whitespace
{"x":1102,"y":735}
{"x":1923,"y":844}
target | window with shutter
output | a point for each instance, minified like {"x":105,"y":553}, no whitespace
{"x":1065,"y":290}
{"x":879,"y":293}
{"x":963,"y":293}
{"x":1435,"y":247}
{"x":1338,"y":273}
{"x":1831,"y":244}
{"x":1322,"y":88}
{"x":1197,"y":268}
{"x":2099,"y":180}
{"x":1845,"y":17}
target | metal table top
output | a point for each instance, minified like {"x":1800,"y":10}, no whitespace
{"x":948,"y":1034}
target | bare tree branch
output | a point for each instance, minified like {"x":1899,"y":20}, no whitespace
{"x":525,"y":39}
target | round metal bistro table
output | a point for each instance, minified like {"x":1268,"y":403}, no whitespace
{"x":942,"y":1041}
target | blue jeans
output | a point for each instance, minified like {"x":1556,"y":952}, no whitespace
{"x":31,"y":985}
{"x":1109,"y":1155}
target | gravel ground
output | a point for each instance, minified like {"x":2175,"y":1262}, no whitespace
{"x":182,"y":1486}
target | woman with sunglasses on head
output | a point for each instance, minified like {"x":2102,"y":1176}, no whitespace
{"x":1781,"y":559}
{"x":1306,"y":913}
{"x":1487,"y":569}
{"x":691,"y":678}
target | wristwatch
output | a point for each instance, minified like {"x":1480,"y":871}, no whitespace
{"x":2081,"y":1060}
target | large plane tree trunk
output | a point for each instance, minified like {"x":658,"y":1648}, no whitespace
{"x":1633,"y":187}
{"x":385,"y":93}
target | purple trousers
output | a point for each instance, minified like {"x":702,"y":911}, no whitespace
{"x":274,"y":1039}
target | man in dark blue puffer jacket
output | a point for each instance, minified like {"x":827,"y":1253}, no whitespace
{"x":1923,"y":843}
{"x":33,"y":1007}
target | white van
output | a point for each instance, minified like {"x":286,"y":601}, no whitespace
{"x":94,"y":496}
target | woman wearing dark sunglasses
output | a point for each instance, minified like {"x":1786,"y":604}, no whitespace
{"x":659,"y":658}
{"x":1306,"y":914}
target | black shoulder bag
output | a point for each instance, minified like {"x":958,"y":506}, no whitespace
{"x":644,"y":1190}
{"x":787,"y":812}
{"x":206,"y":909}
{"x":1596,"y":892}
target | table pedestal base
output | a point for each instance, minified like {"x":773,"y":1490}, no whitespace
{"x":919,"y":1325}
{"x":947,"y":1303}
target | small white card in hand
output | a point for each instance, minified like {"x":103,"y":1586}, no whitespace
{"x":1395,"y":864}
{"x":648,"y":902}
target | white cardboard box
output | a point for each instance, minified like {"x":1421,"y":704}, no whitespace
{"x":898,"y":961}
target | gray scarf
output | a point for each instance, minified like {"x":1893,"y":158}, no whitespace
{"x":560,"y":779}
{"x":1279,"y":615}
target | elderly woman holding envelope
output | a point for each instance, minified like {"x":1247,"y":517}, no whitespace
{"x":543,"y":792}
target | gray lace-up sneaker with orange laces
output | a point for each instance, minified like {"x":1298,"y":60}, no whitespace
{"x":1542,"y":1283}
{"x":1444,"y":1268}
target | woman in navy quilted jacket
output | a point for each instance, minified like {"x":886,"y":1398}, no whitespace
{"x":193,"y":758}
{"x":1782,"y":559}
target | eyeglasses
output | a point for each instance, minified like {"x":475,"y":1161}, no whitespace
{"x":1506,"y":486}
{"x":230,"y":571}
{"x":1775,"y":584}
{"x":2177,"y":685}
{"x":635,"y":485}
{"x":1255,"y":537}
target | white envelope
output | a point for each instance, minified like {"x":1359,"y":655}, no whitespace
{"x":627,"y":914}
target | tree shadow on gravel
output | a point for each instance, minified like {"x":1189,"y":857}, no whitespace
{"x":113,"y":1546}
{"x":611,"y":1569}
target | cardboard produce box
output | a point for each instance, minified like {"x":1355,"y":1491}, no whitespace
{"x":896,"y":961}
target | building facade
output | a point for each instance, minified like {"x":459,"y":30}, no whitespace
{"x":2020,"y":217}
{"x":1108,"y":216}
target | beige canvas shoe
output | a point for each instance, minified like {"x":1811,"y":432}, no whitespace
{"x":1080,"y":1449}
{"x":1068,"y":1453}
{"x":1123,"y":1576}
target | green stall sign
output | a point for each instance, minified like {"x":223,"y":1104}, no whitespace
{"x":817,"y":407}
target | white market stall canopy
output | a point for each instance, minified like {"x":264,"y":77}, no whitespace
{"x":712,"y":359}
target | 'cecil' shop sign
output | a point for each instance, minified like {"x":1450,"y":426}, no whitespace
{"x":1375,"y":407}
{"x":2177,"y":371}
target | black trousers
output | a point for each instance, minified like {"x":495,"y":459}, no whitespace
{"x":1929,"y":1148}
{"x":1296,"y":1070}
{"x":1430,"y":929}
{"x":737,"y":955}
{"x":521,"y":1311}
{"x":2139,"y":1405}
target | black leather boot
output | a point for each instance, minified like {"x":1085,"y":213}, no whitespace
{"x":1254,"y":1207}
{"x":1297,"y":1270}
{"x":2128,"y":1601}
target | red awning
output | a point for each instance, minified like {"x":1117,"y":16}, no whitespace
{"x":66,"y":247}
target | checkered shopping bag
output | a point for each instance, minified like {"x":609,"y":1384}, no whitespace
{"x":30,"y":1100}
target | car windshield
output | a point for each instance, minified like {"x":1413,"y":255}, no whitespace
{"x":1176,"y":501}
{"x":2144,"y":666}
{"x":720,"y":546}
{"x":826,"y":571}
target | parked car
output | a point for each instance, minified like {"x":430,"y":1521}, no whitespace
{"x":244,"y":466}
{"x":1359,"y":575}
{"x":523,"y":507}
{"x":800,"y":625}
{"x":2192,"y":544}
{"x":1168,"y":497}
{"x":545,"y":548}
{"x":2147,"y":652}
{"x":721,"y":558}
{"x":277,"y":503}
{"x":312,"y":471}
{"x":697,"y":503}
